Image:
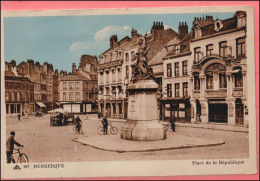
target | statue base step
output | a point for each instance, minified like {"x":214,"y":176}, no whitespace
{"x":137,"y":130}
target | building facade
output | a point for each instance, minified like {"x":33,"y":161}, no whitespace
{"x":115,"y":68}
{"x":42,"y":77}
{"x":18,"y":91}
{"x":78,"y":91}
{"x":219,"y":70}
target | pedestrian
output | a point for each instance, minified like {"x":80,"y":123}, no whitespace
{"x":78,"y":123}
{"x":19,"y":117}
{"x":10,"y":147}
{"x":105,"y":124}
{"x":172,"y":121}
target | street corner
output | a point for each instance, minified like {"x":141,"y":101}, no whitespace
{"x":173,"y":141}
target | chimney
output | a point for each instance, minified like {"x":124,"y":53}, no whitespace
{"x":209,"y":18}
{"x":134,"y":33}
{"x":61,"y":73}
{"x":37,"y":64}
{"x":56,"y":72}
{"x":157,"y":28}
{"x":45,"y":67}
{"x":183,"y":29}
{"x":113,"y":41}
{"x":73,"y":68}
{"x":13,"y":62}
{"x":30,"y":63}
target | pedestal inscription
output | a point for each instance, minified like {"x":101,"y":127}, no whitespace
{"x":142,"y":122}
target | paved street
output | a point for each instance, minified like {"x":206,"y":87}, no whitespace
{"x":54,"y":144}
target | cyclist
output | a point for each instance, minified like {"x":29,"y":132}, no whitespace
{"x":105,"y":124}
{"x":78,"y":123}
{"x":10,"y":147}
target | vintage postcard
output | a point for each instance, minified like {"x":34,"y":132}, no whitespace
{"x":128,"y":92}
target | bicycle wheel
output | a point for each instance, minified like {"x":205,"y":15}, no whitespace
{"x":177,"y":127}
{"x":75,"y":130}
{"x":23,"y":158}
{"x":100,"y":130}
{"x":166,"y":127}
{"x":81,"y":130}
{"x":113,"y":130}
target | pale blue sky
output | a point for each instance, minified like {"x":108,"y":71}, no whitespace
{"x":61,"y":40}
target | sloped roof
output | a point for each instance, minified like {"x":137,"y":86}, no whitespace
{"x":157,"y":59}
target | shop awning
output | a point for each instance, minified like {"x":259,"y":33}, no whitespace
{"x":41,"y":104}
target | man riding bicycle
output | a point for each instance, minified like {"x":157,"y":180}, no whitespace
{"x":78,"y":123}
{"x":10,"y":147}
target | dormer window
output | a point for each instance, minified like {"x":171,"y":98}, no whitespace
{"x":218,"y":25}
{"x":198,"y":33}
{"x":241,"y":19}
{"x":177,"y":49}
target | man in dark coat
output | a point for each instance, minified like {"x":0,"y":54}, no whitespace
{"x":105,"y":124}
{"x":19,"y":117}
{"x":78,"y":123}
{"x":172,"y":121}
{"x":10,"y":147}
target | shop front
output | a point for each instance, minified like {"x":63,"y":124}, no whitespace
{"x":218,"y":111}
{"x":176,"y":108}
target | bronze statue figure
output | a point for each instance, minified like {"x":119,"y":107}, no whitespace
{"x":141,"y":71}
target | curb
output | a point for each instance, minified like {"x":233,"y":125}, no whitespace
{"x":154,"y":149}
{"x":217,"y":129}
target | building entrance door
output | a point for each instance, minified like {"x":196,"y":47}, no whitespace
{"x":239,"y":112}
{"x":218,"y":113}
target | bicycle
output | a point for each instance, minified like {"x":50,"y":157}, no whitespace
{"x":168,"y":125}
{"x":22,"y":157}
{"x":113,"y":130}
{"x":77,"y":130}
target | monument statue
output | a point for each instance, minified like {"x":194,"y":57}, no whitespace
{"x":142,"y":71}
{"x":142,"y":122}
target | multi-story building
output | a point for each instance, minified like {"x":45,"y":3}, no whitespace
{"x":219,"y":70}
{"x":115,"y":67}
{"x":78,"y":90}
{"x":18,"y":91}
{"x":171,"y":69}
{"x":42,"y":77}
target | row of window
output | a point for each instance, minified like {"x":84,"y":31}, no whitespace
{"x":71,"y":96}
{"x":177,"y":89}
{"x":17,"y":96}
{"x":70,"y":85}
{"x":223,"y":49}
{"x":119,"y":108}
{"x":177,"y":69}
{"x":18,"y":85}
{"x":238,"y":80}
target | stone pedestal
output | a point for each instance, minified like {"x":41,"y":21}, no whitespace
{"x":142,"y":119}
